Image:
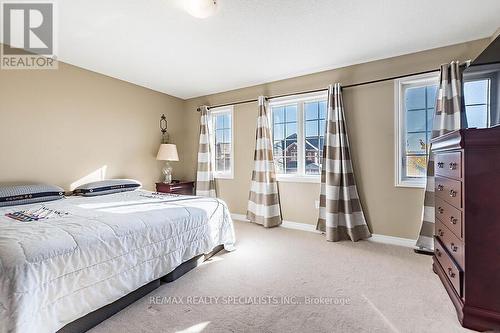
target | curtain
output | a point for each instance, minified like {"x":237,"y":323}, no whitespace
{"x":205,"y":181}
{"x":263,"y":202}
{"x":448,"y":117}
{"x":340,"y":213}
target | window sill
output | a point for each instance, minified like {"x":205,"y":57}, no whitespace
{"x":223,"y":177}
{"x":411,"y":184}
{"x":298,"y":179}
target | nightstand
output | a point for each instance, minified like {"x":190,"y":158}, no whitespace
{"x":176,"y":187}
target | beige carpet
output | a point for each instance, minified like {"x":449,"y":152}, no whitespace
{"x":371,"y":288}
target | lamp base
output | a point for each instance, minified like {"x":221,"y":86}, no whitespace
{"x":167,"y":173}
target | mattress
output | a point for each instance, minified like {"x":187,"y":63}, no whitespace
{"x":91,"y":251}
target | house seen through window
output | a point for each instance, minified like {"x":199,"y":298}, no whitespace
{"x":298,"y":127}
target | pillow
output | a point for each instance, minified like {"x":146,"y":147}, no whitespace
{"x":107,"y":187}
{"x":24,"y":194}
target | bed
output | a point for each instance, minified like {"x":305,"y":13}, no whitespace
{"x":97,"y":250}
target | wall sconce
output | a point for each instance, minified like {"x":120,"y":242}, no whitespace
{"x":163,"y":128}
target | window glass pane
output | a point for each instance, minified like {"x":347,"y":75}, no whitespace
{"x":219,"y":121}
{"x":312,"y":110}
{"x":225,"y":149}
{"x":279,"y":132}
{"x":218,"y":152}
{"x":227,"y":136}
{"x":322,"y":109}
{"x":415,"y":98}
{"x":477,"y":116}
{"x":225,"y":120}
{"x":219,"y":165}
{"x":278,"y":148}
{"x":312,"y":168}
{"x":280,"y":165}
{"x":291,"y":113}
{"x":416,"y":143}
{"x":291,"y":130}
{"x":312,"y":143}
{"x":415,"y":121}
{"x":430,"y":118}
{"x":431,"y":95}
{"x":219,"y":136}
{"x":291,"y":165}
{"x":312,"y":128}
{"x":227,"y":164}
{"x":322,"y":128}
{"x":291,"y":148}
{"x":416,"y":166}
{"x":476,"y":92}
{"x":278,"y":114}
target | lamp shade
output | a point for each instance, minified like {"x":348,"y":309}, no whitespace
{"x":167,"y":152}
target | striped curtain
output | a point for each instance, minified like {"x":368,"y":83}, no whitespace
{"x":340,"y":213}
{"x":263,"y":202}
{"x":205,"y":181}
{"x":448,"y":117}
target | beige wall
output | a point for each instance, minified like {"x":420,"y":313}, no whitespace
{"x":370,"y":117}
{"x":58,"y":126}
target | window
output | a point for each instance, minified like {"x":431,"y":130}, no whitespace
{"x":415,"y":102}
{"x":298,"y":127}
{"x":222,"y":130}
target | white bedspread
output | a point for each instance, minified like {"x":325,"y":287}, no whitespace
{"x":57,"y":270}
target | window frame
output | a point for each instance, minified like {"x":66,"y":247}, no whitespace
{"x":400,"y":85}
{"x":218,"y":111}
{"x":300,"y":100}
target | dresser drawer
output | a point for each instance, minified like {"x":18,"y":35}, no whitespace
{"x":448,"y":164}
{"x":453,"y":273}
{"x":449,"y":190}
{"x":181,"y":187}
{"x":450,"y":216}
{"x":451,"y":242}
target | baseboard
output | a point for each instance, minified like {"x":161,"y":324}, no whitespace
{"x":285,"y":224}
{"x":376,"y":238}
{"x":406,"y":242}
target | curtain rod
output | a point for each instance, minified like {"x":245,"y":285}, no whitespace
{"x":467,"y":63}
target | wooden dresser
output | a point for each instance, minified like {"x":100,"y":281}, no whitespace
{"x":467,"y":231}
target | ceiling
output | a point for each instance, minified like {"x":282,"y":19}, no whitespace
{"x":156,"y":44}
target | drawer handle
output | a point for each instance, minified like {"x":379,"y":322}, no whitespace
{"x":438,"y":253}
{"x":453,"y":193}
{"x":440,"y":210}
{"x":440,"y":232}
{"x":440,"y":187}
{"x":440,"y":165}
{"x":453,"y":220}
{"x":453,"y":166}
{"x":450,"y":272}
{"x":453,"y":247}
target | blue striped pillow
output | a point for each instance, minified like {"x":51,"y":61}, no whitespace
{"x":24,"y":194}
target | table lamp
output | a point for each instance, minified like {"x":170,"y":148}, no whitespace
{"x":167,"y":152}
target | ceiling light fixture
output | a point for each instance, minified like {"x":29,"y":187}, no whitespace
{"x":201,"y":8}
